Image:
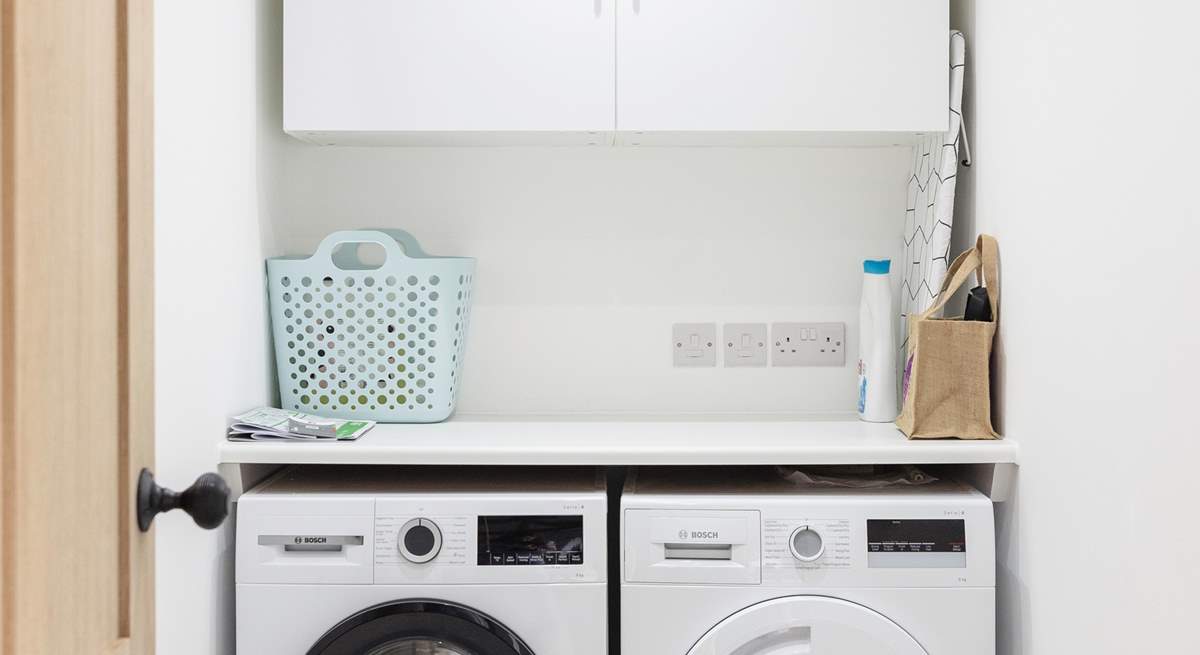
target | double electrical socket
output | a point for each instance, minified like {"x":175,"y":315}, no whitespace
{"x":747,"y":344}
{"x":808,"y":344}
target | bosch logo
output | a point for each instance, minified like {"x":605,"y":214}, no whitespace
{"x":299,"y":541}
{"x":683,"y":534}
{"x":704,"y":534}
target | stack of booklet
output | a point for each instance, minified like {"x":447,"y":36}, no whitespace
{"x":270,"y":423}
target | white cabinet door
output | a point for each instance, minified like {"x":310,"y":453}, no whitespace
{"x":444,"y":71}
{"x":775,"y":69}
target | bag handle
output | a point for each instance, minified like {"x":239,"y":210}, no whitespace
{"x":989,"y":259}
{"x":983,"y":261}
{"x":396,"y":244}
{"x":960,"y":270}
{"x":953,"y":270}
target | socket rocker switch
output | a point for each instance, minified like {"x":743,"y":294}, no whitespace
{"x":694,"y":344}
{"x":745,"y":344}
{"x":808,"y":344}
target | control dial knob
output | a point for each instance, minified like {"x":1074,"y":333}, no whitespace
{"x":806,"y":544}
{"x":419,"y":540}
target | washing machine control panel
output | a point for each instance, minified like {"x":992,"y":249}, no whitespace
{"x":424,"y":527}
{"x":681,"y":528}
{"x":421,"y":540}
{"x":892,"y":545}
{"x":545,"y":538}
{"x":792,"y":542}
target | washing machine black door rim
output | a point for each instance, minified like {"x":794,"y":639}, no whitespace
{"x":401,"y":627}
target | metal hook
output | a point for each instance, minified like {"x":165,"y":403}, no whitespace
{"x":962,"y":128}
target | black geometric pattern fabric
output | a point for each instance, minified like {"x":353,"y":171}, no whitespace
{"x":929,"y":215}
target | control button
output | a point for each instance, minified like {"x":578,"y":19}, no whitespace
{"x":806,"y":544}
{"x":564,"y":558}
{"x":510,"y":558}
{"x":576,"y":558}
{"x":497,"y":559}
{"x":536,"y":559}
{"x":522,"y":558}
{"x":419,"y":540}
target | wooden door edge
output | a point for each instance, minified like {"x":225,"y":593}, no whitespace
{"x":136,"y":330}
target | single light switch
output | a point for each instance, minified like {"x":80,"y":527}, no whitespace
{"x":694,"y":344}
{"x":746,"y":344}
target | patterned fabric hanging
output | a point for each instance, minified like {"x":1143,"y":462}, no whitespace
{"x":929,"y":215}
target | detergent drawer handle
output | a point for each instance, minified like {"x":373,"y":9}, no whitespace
{"x":698,"y":551}
{"x":318,"y":542}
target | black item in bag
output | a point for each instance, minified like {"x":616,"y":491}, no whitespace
{"x":978,"y":307}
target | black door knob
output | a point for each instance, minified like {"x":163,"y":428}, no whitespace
{"x":206,"y":501}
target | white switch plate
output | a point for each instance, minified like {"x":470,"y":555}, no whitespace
{"x":745,"y":344}
{"x":694,"y":344}
{"x":808,"y":344}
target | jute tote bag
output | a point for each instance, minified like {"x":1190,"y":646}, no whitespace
{"x":947,"y":387}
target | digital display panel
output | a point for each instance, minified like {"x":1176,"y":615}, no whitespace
{"x":916,"y":543}
{"x":530,"y":540}
{"x":917,"y":536}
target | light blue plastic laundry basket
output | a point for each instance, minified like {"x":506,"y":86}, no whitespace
{"x":354,"y":340}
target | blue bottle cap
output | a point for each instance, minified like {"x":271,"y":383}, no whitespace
{"x":877,"y":266}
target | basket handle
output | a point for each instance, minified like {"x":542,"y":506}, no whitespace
{"x":405,"y":239}
{"x":396,"y":244}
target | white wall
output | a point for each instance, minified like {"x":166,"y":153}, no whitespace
{"x":211,"y":350}
{"x":588,"y":255}
{"x":1085,"y":138}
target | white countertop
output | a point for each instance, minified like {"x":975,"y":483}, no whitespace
{"x":634,"y":441}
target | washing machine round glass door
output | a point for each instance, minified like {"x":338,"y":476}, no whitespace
{"x":420,"y":627}
{"x":806,"y":624}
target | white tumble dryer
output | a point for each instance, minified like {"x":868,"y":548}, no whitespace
{"x":751,"y":565}
{"x":429,"y":561}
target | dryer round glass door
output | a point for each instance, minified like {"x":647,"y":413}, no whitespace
{"x":420,"y":627}
{"x":806,"y":624}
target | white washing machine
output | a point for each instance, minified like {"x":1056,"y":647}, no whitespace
{"x":445,"y":561}
{"x":751,"y":565}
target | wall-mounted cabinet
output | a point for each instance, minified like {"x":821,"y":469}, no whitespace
{"x":780,"y":71}
{"x":669,"y":72}
{"x":448,"y":72}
